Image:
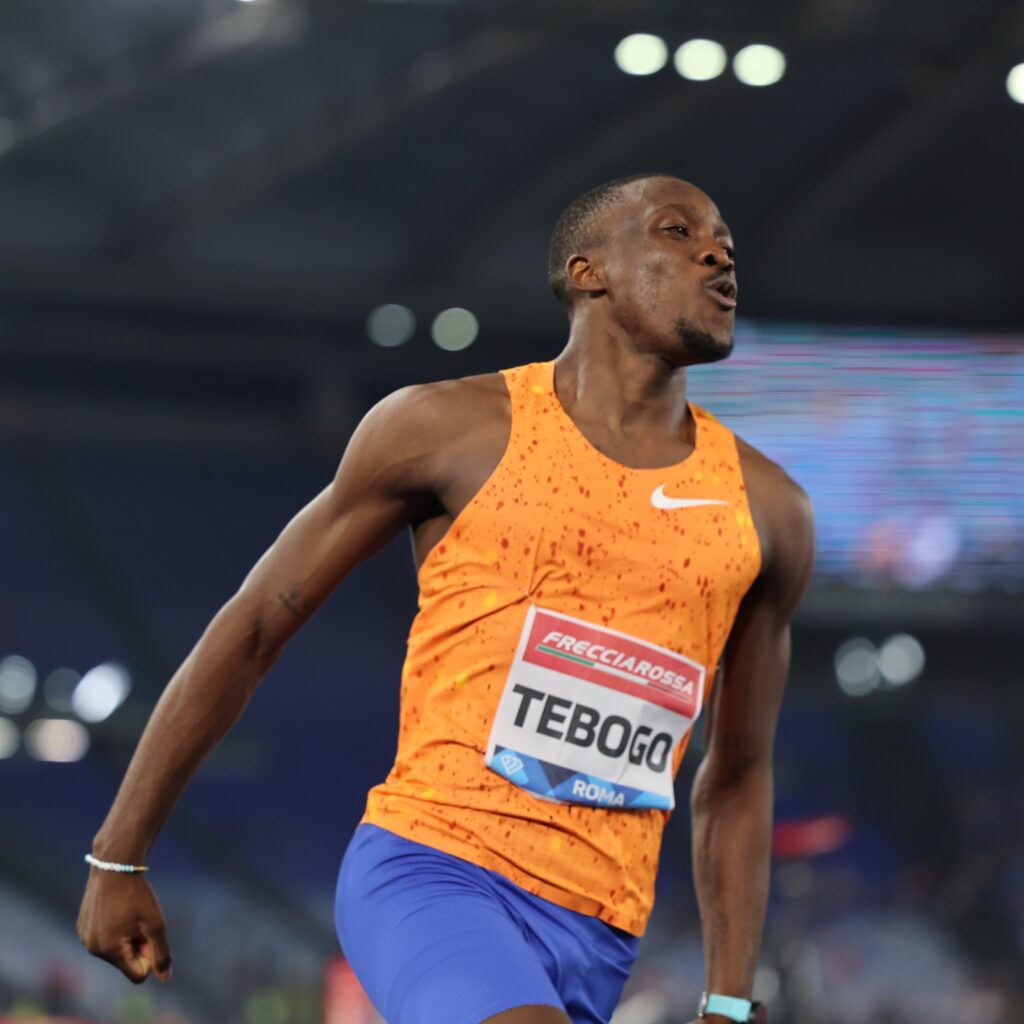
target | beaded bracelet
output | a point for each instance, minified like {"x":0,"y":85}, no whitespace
{"x":109,"y":865}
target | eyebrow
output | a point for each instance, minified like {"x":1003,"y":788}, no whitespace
{"x":723,"y":228}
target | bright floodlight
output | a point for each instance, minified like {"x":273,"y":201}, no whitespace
{"x":454,"y":329}
{"x":17,"y":684}
{"x":759,"y":65}
{"x":56,"y":739}
{"x":100,"y":692}
{"x":10,"y":737}
{"x":390,"y":325}
{"x":901,"y":659}
{"x":641,"y":54}
{"x":1015,"y":83}
{"x":700,"y":60}
{"x":856,"y":665}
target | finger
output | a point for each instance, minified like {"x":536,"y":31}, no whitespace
{"x":159,"y":951}
{"x":132,"y":961}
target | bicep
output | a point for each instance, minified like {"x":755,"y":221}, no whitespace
{"x":382,"y":483}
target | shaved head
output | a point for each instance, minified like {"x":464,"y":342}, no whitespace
{"x":579,"y":228}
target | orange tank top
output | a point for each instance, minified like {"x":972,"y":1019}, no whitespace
{"x":570,"y":623}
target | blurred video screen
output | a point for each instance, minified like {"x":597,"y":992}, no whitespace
{"x":910,"y":446}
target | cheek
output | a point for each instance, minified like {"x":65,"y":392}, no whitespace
{"x":650,"y":285}
{"x":657,"y":280}
{"x":666,"y":290}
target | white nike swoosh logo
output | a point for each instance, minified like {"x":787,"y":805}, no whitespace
{"x":660,"y":500}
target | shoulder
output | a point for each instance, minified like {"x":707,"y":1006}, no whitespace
{"x":442,"y":411}
{"x":476,"y":400}
{"x":782,"y":513}
{"x":769,"y":483}
{"x":409,"y":446}
{"x":417,"y":433}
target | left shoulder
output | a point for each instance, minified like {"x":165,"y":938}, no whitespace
{"x":782,"y":514}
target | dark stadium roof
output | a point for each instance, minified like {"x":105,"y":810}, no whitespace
{"x":255,"y":177}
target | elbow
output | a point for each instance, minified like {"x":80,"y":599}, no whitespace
{"x":245,"y":631}
{"x":722,"y":781}
{"x":264,"y":646}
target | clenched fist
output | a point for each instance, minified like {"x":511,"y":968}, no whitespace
{"x":120,"y":921}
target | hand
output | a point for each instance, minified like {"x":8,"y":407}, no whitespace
{"x":120,"y":921}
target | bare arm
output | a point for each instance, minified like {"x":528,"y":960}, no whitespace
{"x":732,"y":794}
{"x":386,"y":478}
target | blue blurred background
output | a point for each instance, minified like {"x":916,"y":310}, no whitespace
{"x":229,"y":227}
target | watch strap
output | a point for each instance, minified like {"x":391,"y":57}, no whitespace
{"x":727,"y":1006}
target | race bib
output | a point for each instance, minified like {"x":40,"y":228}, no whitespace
{"x":592,"y":716}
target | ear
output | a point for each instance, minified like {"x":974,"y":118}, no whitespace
{"x":585,"y":275}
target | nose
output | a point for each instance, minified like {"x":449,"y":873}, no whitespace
{"x":715,"y":256}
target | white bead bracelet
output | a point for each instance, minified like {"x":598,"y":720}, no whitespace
{"x":109,"y":865}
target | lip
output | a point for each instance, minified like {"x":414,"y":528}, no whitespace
{"x":722,"y":288}
{"x":723,"y":301}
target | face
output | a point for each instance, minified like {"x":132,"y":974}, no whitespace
{"x":667,"y":271}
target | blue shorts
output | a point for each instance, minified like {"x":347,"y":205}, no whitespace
{"x":436,"y":940}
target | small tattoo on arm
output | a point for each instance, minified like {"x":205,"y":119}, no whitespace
{"x":292,"y":601}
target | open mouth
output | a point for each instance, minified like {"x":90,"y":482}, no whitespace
{"x":724,"y":293}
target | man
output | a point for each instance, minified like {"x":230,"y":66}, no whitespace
{"x":593,"y":553}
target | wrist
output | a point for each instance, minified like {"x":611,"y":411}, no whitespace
{"x":114,"y":867}
{"x":124,"y":849}
{"x":723,"y":1009}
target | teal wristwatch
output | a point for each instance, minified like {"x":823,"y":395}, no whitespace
{"x":742,"y":1010}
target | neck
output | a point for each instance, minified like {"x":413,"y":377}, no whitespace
{"x":602,"y":378}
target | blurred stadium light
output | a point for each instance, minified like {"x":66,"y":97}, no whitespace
{"x":759,"y":65}
{"x":700,"y":59}
{"x":641,"y":54}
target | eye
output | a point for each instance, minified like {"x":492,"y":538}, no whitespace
{"x":730,"y":252}
{"x":681,"y":228}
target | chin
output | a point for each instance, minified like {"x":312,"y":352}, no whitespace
{"x":700,"y":346}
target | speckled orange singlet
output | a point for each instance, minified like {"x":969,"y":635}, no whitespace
{"x":560,"y":535}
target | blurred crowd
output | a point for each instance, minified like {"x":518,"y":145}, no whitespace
{"x":913,"y":910}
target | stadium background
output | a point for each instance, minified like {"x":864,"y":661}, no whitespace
{"x":227,"y":228}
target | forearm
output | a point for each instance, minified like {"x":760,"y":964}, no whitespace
{"x":203,"y":700}
{"x":732,"y":825}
